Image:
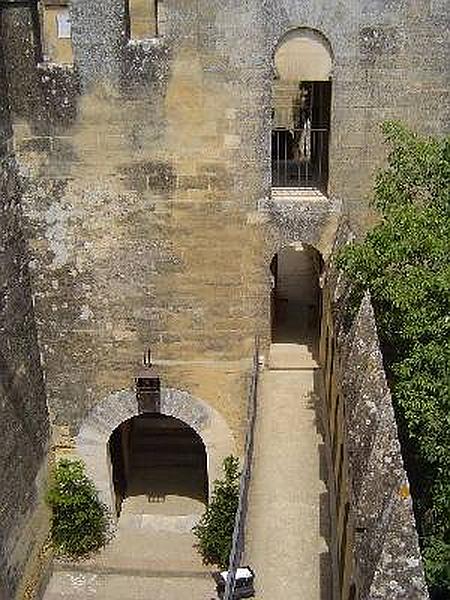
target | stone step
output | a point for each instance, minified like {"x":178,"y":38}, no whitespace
{"x":292,"y":190}
{"x":297,"y":193}
{"x":83,"y":582}
{"x":158,"y":522}
{"x":291,"y":357}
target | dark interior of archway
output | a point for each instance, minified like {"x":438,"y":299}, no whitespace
{"x":155,"y":457}
{"x":296,"y":296}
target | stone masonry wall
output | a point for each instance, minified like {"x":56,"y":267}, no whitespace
{"x":24,"y":425}
{"x":377,"y":545}
{"x":146,"y":182}
{"x":147,"y":179}
{"x":147,"y":163}
{"x":386,"y":550}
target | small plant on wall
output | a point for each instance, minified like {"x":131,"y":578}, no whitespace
{"x":80,"y":521}
{"x":215,"y":529}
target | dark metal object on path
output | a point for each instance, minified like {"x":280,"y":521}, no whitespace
{"x":244,"y":583}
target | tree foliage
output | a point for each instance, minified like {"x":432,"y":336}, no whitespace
{"x":80,"y":521}
{"x":215,"y":529}
{"x":404,"y":261}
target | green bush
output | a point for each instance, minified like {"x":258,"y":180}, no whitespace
{"x":215,"y":529}
{"x":404,"y":262}
{"x":80,"y":522}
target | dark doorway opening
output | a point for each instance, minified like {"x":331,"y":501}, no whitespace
{"x":159,"y":466}
{"x":296,"y":295}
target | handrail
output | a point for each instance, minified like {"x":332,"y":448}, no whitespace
{"x":238,"y":544}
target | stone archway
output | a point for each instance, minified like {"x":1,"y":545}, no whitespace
{"x":159,"y":467}
{"x":303,"y":54}
{"x":296,"y":297}
{"x":97,"y":427}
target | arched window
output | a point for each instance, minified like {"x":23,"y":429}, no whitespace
{"x":301,"y":110}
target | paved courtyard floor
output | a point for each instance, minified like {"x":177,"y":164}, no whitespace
{"x":287,"y":526}
{"x":151,"y":558}
{"x":84,"y":586}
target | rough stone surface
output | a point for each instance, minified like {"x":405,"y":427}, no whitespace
{"x":24,"y":425}
{"x":386,"y":545}
{"x":380,"y":553}
{"x":146,"y":179}
{"x":302,"y":216}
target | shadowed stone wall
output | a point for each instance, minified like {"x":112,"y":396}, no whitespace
{"x":376,"y":541}
{"x":24,"y":426}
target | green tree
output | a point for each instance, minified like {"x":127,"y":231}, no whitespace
{"x":215,"y":529}
{"x":404,"y":262}
{"x":80,"y":522}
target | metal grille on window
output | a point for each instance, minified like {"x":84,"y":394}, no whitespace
{"x":300,"y":132}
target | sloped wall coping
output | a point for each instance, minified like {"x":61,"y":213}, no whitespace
{"x":386,"y":548}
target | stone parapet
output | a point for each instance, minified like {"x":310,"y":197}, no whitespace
{"x":377,"y":542}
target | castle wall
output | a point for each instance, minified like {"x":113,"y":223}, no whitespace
{"x":24,"y":426}
{"x":375,"y":538}
{"x":148,"y":163}
{"x":147,"y":197}
{"x":147,"y":168}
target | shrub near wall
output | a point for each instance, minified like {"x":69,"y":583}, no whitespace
{"x":215,"y":529}
{"x":80,"y":521}
{"x":405,"y":263}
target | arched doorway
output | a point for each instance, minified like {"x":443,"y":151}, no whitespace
{"x":159,"y":466}
{"x":301,"y":110}
{"x":92,"y":441}
{"x":296,"y":295}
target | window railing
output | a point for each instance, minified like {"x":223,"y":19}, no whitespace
{"x":300,"y":157}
